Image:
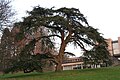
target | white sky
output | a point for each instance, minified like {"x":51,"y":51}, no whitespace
{"x":101,"y":14}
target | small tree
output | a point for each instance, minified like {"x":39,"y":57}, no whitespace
{"x":6,"y":49}
{"x":67,"y":24}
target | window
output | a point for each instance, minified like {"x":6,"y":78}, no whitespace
{"x":116,"y":49}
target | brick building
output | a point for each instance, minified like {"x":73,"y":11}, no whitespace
{"x":38,"y":48}
{"x":28,"y":37}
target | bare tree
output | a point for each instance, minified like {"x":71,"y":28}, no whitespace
{"x":6,"y":13}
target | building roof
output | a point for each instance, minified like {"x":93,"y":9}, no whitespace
{"x":73,"y":60}
{"x":116,"y":41}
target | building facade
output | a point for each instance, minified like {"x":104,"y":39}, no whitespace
{"x":77,"y":62}
{"x":73,"y":63}
{"x":114,"y":47}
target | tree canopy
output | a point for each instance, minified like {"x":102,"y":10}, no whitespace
{"x":67,"y":24}
{"x":98,"y":55}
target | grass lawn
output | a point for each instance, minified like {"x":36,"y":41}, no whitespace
{"x":110,"y":73}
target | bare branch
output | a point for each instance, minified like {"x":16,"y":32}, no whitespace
{"x":6,"y":13}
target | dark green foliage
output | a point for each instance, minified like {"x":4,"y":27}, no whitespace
{"x":97,"y":55}
{"x":67,"y":24}
{"x":26,"y":60}
{"x":33,"y":63}
{"x":6,"y":49}
{"x":64,"y":20}
{"x":20,"y":37}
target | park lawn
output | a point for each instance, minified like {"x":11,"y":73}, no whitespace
{"x":109,"y":73}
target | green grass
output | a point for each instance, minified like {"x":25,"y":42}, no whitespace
{"x":111,"y":73}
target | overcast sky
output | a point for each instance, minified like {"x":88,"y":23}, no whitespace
{"x":101,"y":14}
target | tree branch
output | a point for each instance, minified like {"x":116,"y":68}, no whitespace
{"x":52,"y":27}
{"x":80,"y":44}
{"x":69,"y":53}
